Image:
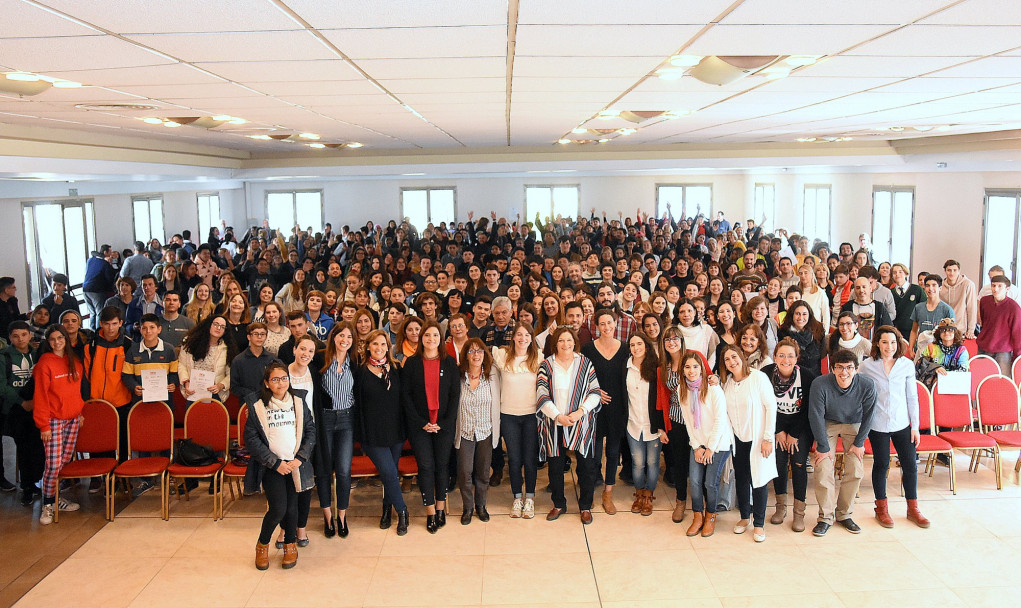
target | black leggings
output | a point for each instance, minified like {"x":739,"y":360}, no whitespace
{"x":612,"y":437}
{"x":750,"y":500}
{"x":881,"y":461}
{"x":283,"y":507}
{"x":680,"y":455}
{"x":799,"y":472}
{"x":432,"y":451}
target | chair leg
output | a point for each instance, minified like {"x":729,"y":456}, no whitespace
{"x":953,"y":474}
{"x":996,"y":463}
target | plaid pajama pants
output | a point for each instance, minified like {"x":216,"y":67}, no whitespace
{"x":59,"y":450}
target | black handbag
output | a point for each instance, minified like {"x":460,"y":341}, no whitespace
{"x":187,"y":453}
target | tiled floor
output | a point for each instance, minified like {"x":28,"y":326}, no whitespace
{"x":623,"y":560}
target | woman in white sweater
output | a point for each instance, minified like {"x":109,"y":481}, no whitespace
{"x":814,"y":295}
{"x":704,"y":409}
{"x":697,"y":336}
{"x":751,"y":408}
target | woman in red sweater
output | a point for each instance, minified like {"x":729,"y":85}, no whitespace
{"x":57,"y":411}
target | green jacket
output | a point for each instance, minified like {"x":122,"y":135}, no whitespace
{"x":15,"y":377}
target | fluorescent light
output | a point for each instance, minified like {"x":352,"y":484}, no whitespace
{"x":66,"y":84}
{"x":412,"y":174}
{"x":171,"y":124}
{"x":685,"y":61}
{"x":308,"y":136}
{"x":23,"y":77}
{"x":237,"y":121}
{"x":800,"y":60}
{"x":670,"y":73}
{"x":563,"y":141}
{"x":260,"y":136}
{"x":579,"y":131}
{"x":152,"y":120}
{"x":317,"y":145}
{"x":223,"y":117}
{"x":355,"y":144}
{"x":604,"y":140}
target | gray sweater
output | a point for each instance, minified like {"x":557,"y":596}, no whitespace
{"x":830,"y":403}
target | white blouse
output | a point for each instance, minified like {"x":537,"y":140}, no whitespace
{"x":638,"y":425}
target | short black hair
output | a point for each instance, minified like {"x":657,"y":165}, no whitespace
{"x":110,"y":313}
{"x":150,"y":318}
{"x":843,"y":356}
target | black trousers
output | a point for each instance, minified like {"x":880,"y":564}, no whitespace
{"x":680,"y":456}
{"x":881,"y":461}
{"x":613,"y":437}
{"x":31,"y":455}
{"x":432,"y":451}
{"x":282,"y":498}
{"x":750,"y":500}
{"x":588,"y":468}
{"x":799,"y":472}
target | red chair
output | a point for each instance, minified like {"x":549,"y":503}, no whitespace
{"x":180,"y":405}
{"x":981,"y":367}
{"x":931,"y":445}
{"x":150,"y":429}
{"x":972,"y":347}
{"x":954,"y":411}
{"x":998,"y":406}
{"x":824,"y":365}
{"x":207,"y":423}
{"x":1015,"y":370}
{"x":100,"y":432}
{"x":233,"y":405}
{"x":235,"y":473}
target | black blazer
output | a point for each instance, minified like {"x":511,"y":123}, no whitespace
{"x":655,"y":415}
{"x":416,"y":407}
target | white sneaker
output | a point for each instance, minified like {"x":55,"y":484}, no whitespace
{"x":68,"y":505}
{"x":529,"y":509}
{"x":516,"y":508}
{"x":46,"y":515}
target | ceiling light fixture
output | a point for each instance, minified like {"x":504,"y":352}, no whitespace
{"x":355,"y":144}
{"x":23,"y":77}
{"x":67,"y":84}
{"x":563,"y":141}
{"x":801,"y":60}
{"x":721,"y":70}
{"x":923,"y":128}
{"x":237,"y":121}
{"x":671,"y":73}
{"x":897,"y":129}
{"x":604,"y":140}
{"x":608,"y":114}
{"x":263,"y":137}
{"x":152,"y":120}
{"x":944,"y":128}
{"x":317,"y":145}
{"x":776,"y":73}
{"x":627,"y":131}
{"x":223,"y":117}
{"x":674,"y":114}
{"x":685,"y":61}
{"x":579,"y":130}
{"x":308,"y":136}
{"x":171,"y":124}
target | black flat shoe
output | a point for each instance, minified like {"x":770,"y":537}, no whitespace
{"x":441,"y":518}
{"x":430,"y":524}
{"x":302,"y":542}
{"x":329,"y":530}
{"x":482,"y":513}
{"x":402,"y":522}
{"x":466,"y":518}
{"x":850,"y":526}
{"x":342,"y":529}
{"x":385,"y":520}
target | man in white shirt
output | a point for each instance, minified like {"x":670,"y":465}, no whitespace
{"x":987,"y":290}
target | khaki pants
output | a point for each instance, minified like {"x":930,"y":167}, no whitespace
{"x":837,"y":505}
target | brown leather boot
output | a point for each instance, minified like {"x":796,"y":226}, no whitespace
{"x":680,"y":507}
{"x":709,"y":526}
{"x":290,"y":555}
{"x":798,"y":523}
{"x":262,"y":556}
{"x":781,"y":510}
{"x":915,"y":515}
{"x":883,"y":514}
{"x":696,"y":524}
{"x":636,"y":506}
{"x":608,"y":507}
{"x":647,"y":505}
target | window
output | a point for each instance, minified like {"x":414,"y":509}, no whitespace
{"x":1001,"y":245}
{"x":64,"y":246}
{"x":301,"y":207}
{"x":764,"y":207}
{"x":816,"y":221}
{"x":423,"y":206}
{"x":148,"y":213}
{"x":551,"y":201}
{"x":893,"y":210}
{"x":209,"y":212}
{"x":684,"y":200}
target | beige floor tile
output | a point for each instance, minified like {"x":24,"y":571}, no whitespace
{"x":625,"y":531}
{"x":815,"y":600}
{"x":989,"y":597}
{"x":223,"y":582}
{"x":869,"y":566}
{"x":104,"y":583}
{"x":506,"y":536}
{"x":760,"y":570}
{"x":999,"y":515}
{"x":437,"y":579}
{"x":222,"y":539}
{"x":951,"y":560}
{"x":565,"y":577}
{"x":913,"y":598}
{"x":315,"y":581}
{"x":452,"y":539}
{"x":547,"y":605}
{"x":136,"y":537}
{"x":660,"y":575}
{"x":700,"y":602}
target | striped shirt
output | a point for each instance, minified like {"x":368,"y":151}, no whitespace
{"x":673,"y":380}
{"x":476,"y":410}
{"x":338,"y":382}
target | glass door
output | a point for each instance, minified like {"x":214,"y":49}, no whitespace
{"x":63,"y":246}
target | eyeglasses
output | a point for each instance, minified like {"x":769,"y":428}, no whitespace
{"x":476,"y":351}
{"x":279,"y":380}
{"x":843,"y":368}
{"x":258,"y":334}
{"x":672,"y":339}
{"x":219,"y":325}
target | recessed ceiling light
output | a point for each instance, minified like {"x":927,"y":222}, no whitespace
{"x":152,"y":120}
{"x":563,"y":141}
{"x":308,"y":136}
{"x":800,"y":60}
{"x":685,"y":61}
{"x":671,"y":73}
{"x":66,"y":84}
{"x":171,"y":124}
{"x":355,"y":144}
{"x":262,"y":136}
{"x":897,"y":129}
{"x":579,"y":130}
{"x":23,"y":77}
{"x":317,"y":145}
{"x":604,"y":140}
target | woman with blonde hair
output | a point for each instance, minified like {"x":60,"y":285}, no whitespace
{"x":813,"y":295}
{"x":200,"y":305}
{"x":292,"y":295}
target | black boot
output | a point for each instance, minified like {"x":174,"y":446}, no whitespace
{"x":466,"y":517}
{"x":402,"y":522}
{"x":342,"y":529}
{"x":482,"y":513}
{"x":430,"y":524}
{"x":384,"y":521}
{"x":441,"y":518}
{"x":329,"y":530}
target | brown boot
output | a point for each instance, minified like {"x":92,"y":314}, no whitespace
{"x":883,"y":514}
{"x":798,"y":524}
{"x":781,"y":510}
{"x":647,"y":505}
{"x":636,"y":507}
{"x":915,"y":515}
{"x":696,"y":524}
{"x":290,"y":555}
{"x":680,"y":507}
{"x":261,"y":556}
{"x":709,"y":526}
{"x":608,"y":507}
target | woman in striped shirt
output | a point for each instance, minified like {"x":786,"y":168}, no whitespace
{"x":478,"y":427}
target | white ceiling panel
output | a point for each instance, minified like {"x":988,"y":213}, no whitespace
{"x":335,"y":101}
{"x":979,"y":12}
{"x":461,"y":67}
{"x":989,"y":67}
{"x":555,"y":85}
{"x":585,"y":67}
{"x":433,"y":99}
{"x":171,"y":74}
{"x":191,"y":91}
{"x":821,"y":12}
{"x":561,"y":98}
{"x":782,"y":39}
{"x":74,"y":53}
{"x":689,"y":84}
{"x":602,"y":40}
{"x":238,"y":46}
{"x":836,"y":85}
{"x":948,"y":85}
{"x":943,"y":40}
{"x":445,"y":85}
{"x":338,"y":88}
{"x":854,"y":66}
{"x":282,"y":71}
{"x":634,"y":12}
{"x":399,"y":43}
{"x":227,"y":105}
{"x":23,"y":20}
{"x":399,"y":13}
{"x":160,"y":16}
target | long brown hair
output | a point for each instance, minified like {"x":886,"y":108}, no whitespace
{"x":664,"y":361}
{"x":74,"y":364}
{"x":682,"y":388}
{"x":368,"y":340}
{"x":532,"y":356}
{"x":331,"y":346}
{"x":487,"y":359}
{"x":420,"y":351}
{"x":651,"y":361}
{"x":724,"y":372}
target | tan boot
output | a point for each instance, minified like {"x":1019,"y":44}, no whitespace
{"x":680,"y":507}
{"x":915,"y":515}
{"x":647,"y":505}
{"x":798,"y":525}
{"x":781,"y":510}
{"x":290,"y":555}
{"x":636,"y":507}
{"x":608,"y":507}
{"x":883,"y":514}
{"x":261,"y":556}
{"x":709,"y":526}
{"x":696,"y":524}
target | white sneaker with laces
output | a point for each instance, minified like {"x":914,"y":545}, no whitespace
{"x":46,"y":515}
{"x":68,"y":505}
{"x":529,"y":510}
{"x":516,"y":508}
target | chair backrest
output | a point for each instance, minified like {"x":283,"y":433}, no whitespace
{"x":242,"y":422}
{"x":924,"y":406}
{"x":981,"y":367}
{"x":151,"y":427}
{"x":972,"y":347}
{"x":207,"y":423}
{"x":233,"y":405}
{"x":824,"y":365}
{"x":180,"y":405}
{"x":1015,"y":370}
{"x":997,"y":401}
{"x":100,"y":431}
{"x":950,"y":410}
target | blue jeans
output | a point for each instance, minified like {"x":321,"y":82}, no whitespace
{"x":386,"y":459}
{"x":644,"y":461}
{"x":521,"y":434}
{"x":336,"y":447}
{"x":705,"y":481}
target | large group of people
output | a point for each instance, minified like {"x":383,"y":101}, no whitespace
{"x":659,"y":349}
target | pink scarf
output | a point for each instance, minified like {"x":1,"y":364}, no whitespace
{"x":696,"y":406}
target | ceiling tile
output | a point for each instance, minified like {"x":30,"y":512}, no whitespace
{"x":461,"y":67}
{"x":399,"y":13}
{"x":575,"y":67}
{"x":433,"y":99}
{"x":159,"y":16}
{"x":171,"y":74}
{"x":783,"y":39}
{"x":282,"y":71}
{"x":860,"y":66}
{"x":238,"y":46}
{"x":23,"y":20}
{"x":602,"y":40}
{"x":569,"y":12}
{"x":339,"y":88}
{"x":74,"y":53}
{"x":567,"y":84}
{"x":943,"y":41}
{"x":989,"y":67}
{"x":979,"y":12}
{"x":824,"y":12}
{"x":190,"y":91}
{"x":411,"y":42}
{"x":445,"y":85}
{"x":836,"y":85}
{"x":947,"y":85}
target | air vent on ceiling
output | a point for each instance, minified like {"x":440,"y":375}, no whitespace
{"x":123,"y":107}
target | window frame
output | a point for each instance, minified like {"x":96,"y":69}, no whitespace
{"x":757,"y":213}
{"x":911,"y":244}
{"x":1014,"y":193}
{"x":829,"y":212}
{"x":684,"y":200}
{"x":33,"y":267}
{"x":294,"y":205}
{"x":551,"y":187}
{"x":204,"y":230}
{"x":149,"y":198}
{"x":428,"y":202}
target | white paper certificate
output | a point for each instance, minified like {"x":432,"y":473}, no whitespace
{"x":954,"y":383}
{"x":200,"y":382}
{"x":154,"y":385}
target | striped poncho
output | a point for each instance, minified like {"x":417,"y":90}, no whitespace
{"x":580,"y":436}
